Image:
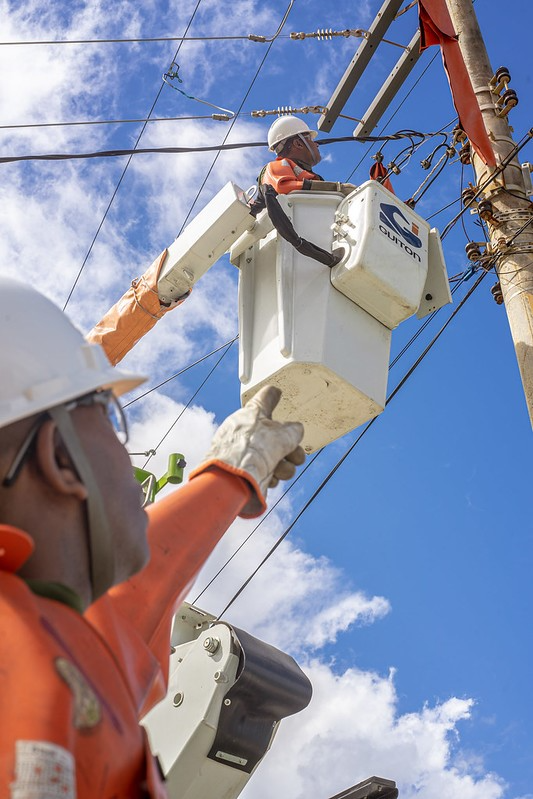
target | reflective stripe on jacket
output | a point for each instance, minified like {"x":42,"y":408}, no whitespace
{"x":286,"y":176}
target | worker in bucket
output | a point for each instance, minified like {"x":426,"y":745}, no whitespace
{"x":297,"y":155}
{"x":89,"y":581}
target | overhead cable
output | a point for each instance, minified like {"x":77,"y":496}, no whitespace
{"x":389,"y":120}
{"x":181,"y":372}
{"x":125,"y":169}
{"x":180,"y":414}
{"x":141,"y":39}
{"x":309,"y":463}
{"x":232,"y":123}
{"x":208,"y":148}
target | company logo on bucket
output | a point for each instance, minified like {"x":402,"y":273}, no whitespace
{"x":392,"y":217}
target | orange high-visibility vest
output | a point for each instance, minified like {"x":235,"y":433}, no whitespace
{"x":286,"y":176}
{"x":74,"y":687}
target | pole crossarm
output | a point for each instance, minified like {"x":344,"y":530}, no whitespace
{"x":359,"y":63}
{"x":390,"y":88}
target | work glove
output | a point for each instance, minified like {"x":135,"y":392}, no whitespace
{"x":250,"y":444}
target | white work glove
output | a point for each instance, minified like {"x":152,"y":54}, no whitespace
{"x":250,"y":444}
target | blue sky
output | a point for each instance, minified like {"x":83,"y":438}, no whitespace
{"x":405,"y":589}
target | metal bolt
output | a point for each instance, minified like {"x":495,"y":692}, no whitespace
{"x":211,"y":644}
{"x":178,"y":699}
{"x":227,"y":702}
{"x":220,"y":676}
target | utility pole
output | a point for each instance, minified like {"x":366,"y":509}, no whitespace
{"x":510,"y":211}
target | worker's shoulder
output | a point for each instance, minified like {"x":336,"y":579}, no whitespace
{"x":280,"y":165}
{"x":29,"y":621}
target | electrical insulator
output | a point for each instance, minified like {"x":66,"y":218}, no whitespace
{"x":473,"y":251}
{"x":501,"y":78}
{"x":486,"y":210}
{"x":496,"y":291}
{"x":509,"y":99}
{"x":468,"y":195}
{"x":458,"y":135}
{"x":465,"y":154}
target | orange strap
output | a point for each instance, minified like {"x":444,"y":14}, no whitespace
{"x":378,"y":172}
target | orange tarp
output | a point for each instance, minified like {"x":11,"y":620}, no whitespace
{"x":436,"y":28}
{"x":132,"y":316}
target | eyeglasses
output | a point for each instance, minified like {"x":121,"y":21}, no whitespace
{"x":106,"y":399}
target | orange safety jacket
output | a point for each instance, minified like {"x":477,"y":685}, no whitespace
{"x":286,"y":176}
{"x":74,"y":687}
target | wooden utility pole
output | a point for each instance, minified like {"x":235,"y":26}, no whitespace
{"x":511,"y":208}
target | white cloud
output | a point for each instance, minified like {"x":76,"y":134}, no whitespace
{"x":352,"y":730}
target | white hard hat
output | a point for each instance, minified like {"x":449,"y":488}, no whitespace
{"x":44,"y":360}
{"x":285,"y":127}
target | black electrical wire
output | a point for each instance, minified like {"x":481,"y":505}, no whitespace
{"x":479,"y":190}
{"x":350,"y":449}
{"x":181,"y":372}
{"x":123,"y":174}
{"x":389,"y":120}
{"x":173,"y":150}
{"x":313,"y":459}
{"x":243,"y":543}
{"x":202,"y":384}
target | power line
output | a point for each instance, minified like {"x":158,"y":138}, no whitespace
{"x":181,"y":372}
{"x":300,"y":474}
{"x":205,"y":149}
{"x":141,"y":39}
{"x":233,"y":121}
{"x":389,"y":120}
{"x":100,"y":122}
{"x":123,"y":174}
{"x":202,"y":384}
{"x":350,"y":449}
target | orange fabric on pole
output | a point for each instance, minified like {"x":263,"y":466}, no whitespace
{"x":132,"y":316}
{"x":377,"y":172}
{"x":436,"y":28}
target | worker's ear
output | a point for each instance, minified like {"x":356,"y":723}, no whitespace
{"x":55,"y":464}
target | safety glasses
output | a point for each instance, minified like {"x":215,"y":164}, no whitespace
{"x":111,"y":407}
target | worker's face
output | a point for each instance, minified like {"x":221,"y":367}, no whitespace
{"x":121,"y":493}
{"x":310,"y":148}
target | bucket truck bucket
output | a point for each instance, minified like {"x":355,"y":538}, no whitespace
{"x":323,"y":335}
{"x":328,"y":356}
